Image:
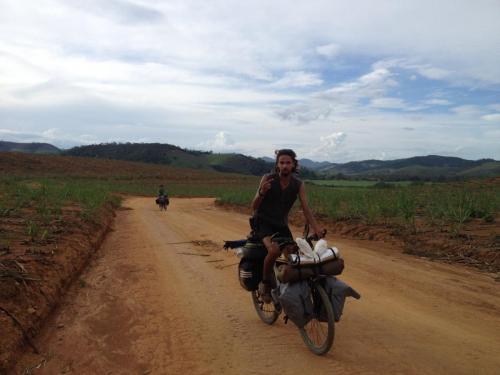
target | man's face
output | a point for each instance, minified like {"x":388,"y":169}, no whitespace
{"x":285,"y":165}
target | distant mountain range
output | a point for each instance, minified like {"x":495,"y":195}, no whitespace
{"x":34,"y":148}
{"x":431,"y":167}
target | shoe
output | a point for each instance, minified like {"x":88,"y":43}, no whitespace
{"x":265,"y":292}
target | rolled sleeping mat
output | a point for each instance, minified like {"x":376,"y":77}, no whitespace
{"x":287,"y":273}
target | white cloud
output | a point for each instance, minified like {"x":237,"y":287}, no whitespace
{"x":328,"y":148}
{"x":343,"y":98}
{"x":328,"y":50}
{"x":413,"y":65}
{"x":370,"y":85}
{"x":332,"y":141}
{"x":437,"y":101}
{"x":298,"y":79}
{"x":491,"y":117}
{"x":395,"y":103}
{"x":222,"y":141}
{"x":433,"y":72}
{"x":467,"y":110}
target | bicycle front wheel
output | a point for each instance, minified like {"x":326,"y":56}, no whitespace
{"x":318,"y":334}
{"x":267,"y":312}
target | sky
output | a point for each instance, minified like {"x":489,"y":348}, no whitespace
{"x":335,"y":80}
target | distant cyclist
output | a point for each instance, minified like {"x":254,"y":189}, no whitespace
{"x":162,"y":195}
{"x":161,"y":191}
{"x":275,"y":197}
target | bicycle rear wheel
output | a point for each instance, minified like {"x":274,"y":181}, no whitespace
{"x":267,"y":312}
{"x":319,"y":333}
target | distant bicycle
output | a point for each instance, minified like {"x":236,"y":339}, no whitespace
{"x":162,"y":202}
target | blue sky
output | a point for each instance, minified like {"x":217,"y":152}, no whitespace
{"x":337,"y":81}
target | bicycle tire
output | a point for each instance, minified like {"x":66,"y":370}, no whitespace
{"x":318,"y":334}
{"x":266,"y":311}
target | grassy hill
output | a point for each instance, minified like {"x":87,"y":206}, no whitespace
{"x":158,"y":153}
{"x":34,"y":148}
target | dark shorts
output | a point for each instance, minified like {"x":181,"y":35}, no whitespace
{"x":265,"y":229}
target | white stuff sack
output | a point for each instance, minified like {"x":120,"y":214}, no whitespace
{"x":304,"y":248}
{"x":321,"y":253}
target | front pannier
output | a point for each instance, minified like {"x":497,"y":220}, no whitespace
{"x":337,"y":291}
{"x":297,"y":303}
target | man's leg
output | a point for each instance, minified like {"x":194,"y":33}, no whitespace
{"x":268,"y":279}
{"x":273,"y":252}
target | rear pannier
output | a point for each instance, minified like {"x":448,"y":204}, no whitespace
{"x":252,"y":255}
{"x":250,"y":273}
{"x":251,"y":264}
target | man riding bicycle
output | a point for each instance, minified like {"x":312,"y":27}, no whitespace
{"x":275,"y":197}
{"x":162,"y":195}
{"x":161,"y":191}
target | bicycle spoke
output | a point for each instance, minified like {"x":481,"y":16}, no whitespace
{"x":318,"y":334}
{"x":266,"y":311}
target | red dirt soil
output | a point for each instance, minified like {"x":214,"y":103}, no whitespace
{"x":162,"y":297}
{"x":53,"y":264}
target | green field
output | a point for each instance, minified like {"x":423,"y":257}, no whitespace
{"x":406,"y":203}
{"x":433,"y":204}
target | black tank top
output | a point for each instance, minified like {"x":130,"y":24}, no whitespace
{"x":277,"y":202}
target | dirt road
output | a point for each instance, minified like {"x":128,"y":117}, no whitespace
{"x":154,"y":302}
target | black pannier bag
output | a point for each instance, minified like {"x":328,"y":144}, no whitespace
{"x":249,"y":273}
{"x":252,"y":253}
{"x":251,"y":264}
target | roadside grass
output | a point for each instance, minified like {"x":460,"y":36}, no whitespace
{"x":39,"y":202}
{"x":448,"y":205}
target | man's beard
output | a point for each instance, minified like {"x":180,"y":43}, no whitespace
{"x":284,"y":173}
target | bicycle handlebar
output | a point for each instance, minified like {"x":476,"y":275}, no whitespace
{"x":315,"y":237}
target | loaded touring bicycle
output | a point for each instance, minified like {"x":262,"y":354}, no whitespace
{"x":307,"y":292}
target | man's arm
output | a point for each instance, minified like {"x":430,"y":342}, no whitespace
{"x":264,"y":186}
{"x":307,"y":211}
